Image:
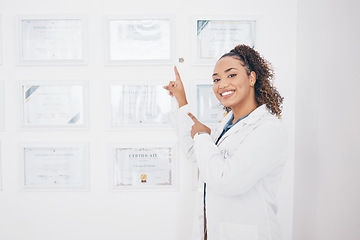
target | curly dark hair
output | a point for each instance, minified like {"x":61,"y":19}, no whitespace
{"x":265,"y":92}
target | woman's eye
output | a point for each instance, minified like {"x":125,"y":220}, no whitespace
{"x":232,"y":75}
{"x":216,"y":80}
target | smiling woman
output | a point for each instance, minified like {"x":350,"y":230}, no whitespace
{"x":233,"y":87}
{"x":240,"y":161}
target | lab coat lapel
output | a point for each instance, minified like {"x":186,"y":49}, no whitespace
{"x":220,"y":127}
{"x":254,"y":117}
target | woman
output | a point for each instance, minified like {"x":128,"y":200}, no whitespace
{"x":241,"y":161}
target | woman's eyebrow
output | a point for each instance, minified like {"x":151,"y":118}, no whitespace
{"x":227,"y":70}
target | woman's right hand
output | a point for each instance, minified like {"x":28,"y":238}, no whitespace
{"x":176,"y":89}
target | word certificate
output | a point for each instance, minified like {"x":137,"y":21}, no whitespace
{"x":143,"y":167}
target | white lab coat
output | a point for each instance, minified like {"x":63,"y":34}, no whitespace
{"x":242,"y":174}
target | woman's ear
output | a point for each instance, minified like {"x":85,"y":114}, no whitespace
{"x":252,"y":78}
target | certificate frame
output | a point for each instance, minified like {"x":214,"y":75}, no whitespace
{"x":2,"y":105}
{"x":1,"y":53}
{"x":1,"y":173}
{"x":147,"y":174}
{"x":236,"y":30}
{"x":208,"y":108}
{"x":124,"y":31}
{"x":60,"y":39}
{"x":157,"y":104}
{"x":70,"y":113}
{"x":41,"y":165}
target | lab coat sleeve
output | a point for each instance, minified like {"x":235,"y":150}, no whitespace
{"x":183,"y":123}
{"x":235,"y":171}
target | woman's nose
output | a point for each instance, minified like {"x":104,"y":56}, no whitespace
{"x":224,"y":84}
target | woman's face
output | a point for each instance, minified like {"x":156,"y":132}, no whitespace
{"x":231,"y":84}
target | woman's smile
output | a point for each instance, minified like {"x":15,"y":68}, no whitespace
{"x":227,"y":93}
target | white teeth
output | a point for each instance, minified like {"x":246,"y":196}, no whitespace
{"x":227,"y":93}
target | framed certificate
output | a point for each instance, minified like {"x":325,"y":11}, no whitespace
{"x":140,"y":40}
{"x":54,"y":105}
{"x":52,"y":39}
{"x":2,"y":105}
{"x":57,"y":166}
{"x":214,"y":36}
{"x":0,"y":40}
{"x":0,"y":168}
{"x":139,"y":105}
{"x":208,"y":108}
{"x":144,"y":166}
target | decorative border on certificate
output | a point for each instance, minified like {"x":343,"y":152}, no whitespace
{"x":144,"y":167}
{"x":134,"y":40}
{"x":209,"y":110}
{"x":52,"y":40}
{"x":54,"y":166}
{"x":147,"y":105}
{"x":54,"y":105}
{"x":2,"y":105}
{"x":214,"y":36}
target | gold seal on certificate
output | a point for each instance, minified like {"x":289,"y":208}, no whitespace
{"x":143,"y":177}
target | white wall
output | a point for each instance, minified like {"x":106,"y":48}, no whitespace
{"x":327,"y":176}
{"x":100,"y":214}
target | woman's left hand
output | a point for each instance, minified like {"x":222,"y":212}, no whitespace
{"x":198,"y":126}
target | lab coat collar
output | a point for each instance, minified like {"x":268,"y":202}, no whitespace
{"x":256,"y":115}
{"x":253,"y":117}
